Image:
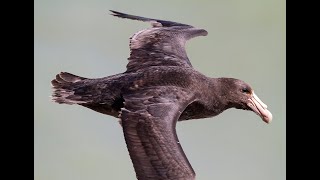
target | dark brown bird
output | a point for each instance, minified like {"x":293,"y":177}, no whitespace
{"x":159,"y":88}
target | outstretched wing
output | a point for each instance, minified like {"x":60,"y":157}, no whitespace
{"x":149,"y":118}
{"x":161,"y":45}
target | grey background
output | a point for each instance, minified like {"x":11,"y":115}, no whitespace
{"x":246,"y":40}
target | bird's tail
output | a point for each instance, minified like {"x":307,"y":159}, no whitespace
{"x":64,"y":86}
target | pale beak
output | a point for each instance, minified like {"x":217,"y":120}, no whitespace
{"x":260,"y":108}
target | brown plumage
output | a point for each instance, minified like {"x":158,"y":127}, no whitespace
{"x":159,"y":88}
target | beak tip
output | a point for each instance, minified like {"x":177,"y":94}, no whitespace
{"x":268,"y":122}
{"x":268,"y":118}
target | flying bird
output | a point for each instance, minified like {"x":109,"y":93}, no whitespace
{"x":159,"y":88}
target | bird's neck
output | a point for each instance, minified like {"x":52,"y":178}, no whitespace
{"x":219,"y":98}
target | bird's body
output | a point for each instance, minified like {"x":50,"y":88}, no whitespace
{"x":159,"y":88}
{"x":105,"y":95}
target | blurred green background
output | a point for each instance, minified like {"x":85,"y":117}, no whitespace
{"x":246,"y":40}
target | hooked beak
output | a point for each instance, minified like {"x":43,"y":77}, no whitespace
{"x":260,"y":108}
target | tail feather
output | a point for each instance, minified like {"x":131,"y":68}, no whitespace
{"x":66,"y":78}
{"x":64,"y":85}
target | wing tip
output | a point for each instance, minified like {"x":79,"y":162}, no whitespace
{"x":124,"y":15}
{"x":115,"y":13}
{"x":154,"y":22}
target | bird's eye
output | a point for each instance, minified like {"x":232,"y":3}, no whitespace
{"x":245,"y":90}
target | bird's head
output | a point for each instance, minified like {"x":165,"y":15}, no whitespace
{"x":240,"y":95}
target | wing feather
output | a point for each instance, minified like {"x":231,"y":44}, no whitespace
{"x":148,"y":118}
{"x":161,"y":45}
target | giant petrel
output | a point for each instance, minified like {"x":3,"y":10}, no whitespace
{"x":159,"y":88}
